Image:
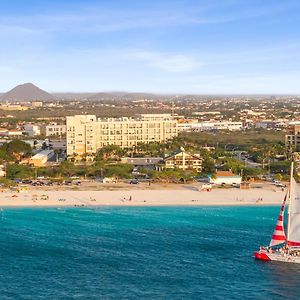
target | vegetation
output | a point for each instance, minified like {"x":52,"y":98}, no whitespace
{"x":17,"y":171}
{"x":263,"y":147}
{"x":175,"y":175}
{"x":110,"y":152}
{"x":242,"y":140}
{"x":7,"y":182}
{"x":15,"y":150}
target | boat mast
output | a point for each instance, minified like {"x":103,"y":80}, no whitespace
{"x":290,"y":198}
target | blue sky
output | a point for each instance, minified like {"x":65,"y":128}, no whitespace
{"x":165,"y":46}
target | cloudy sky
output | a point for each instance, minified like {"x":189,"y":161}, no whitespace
{"x":165,"y":46}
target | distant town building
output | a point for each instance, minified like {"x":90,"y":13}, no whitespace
{"x":36,"y":103}
{"x":271,"y":124}
{"x":86,"y":134}
{"x":15,"y":133}
{"x":183,"y":160}
{"x":3,"y":132}
{"x":32,"y":130}
{"x":10,"y":107}
{"x":54,"y":130}
{"x":156,"y":117}
{"x":210,"y":126}
{"x":10,"y":132}
{"x":203,"y":113}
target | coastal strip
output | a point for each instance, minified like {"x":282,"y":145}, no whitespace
{"x":138,"y":197}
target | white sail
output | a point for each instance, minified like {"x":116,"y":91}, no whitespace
{"x":294,"y":217}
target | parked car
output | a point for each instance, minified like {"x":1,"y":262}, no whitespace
{"x":134,"y":181}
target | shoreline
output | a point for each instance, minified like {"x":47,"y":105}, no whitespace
{"x":189,"y":196}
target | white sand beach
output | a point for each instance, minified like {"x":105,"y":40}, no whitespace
{"x":184,"y":196}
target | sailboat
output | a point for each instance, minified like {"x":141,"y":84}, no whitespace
{"x":285,"y":247}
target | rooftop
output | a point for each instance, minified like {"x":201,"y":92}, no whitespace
{"x":226,"y":174}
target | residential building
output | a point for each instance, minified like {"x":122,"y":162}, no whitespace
{"x":292,"y":139}
{"x":143,"y":162}
{"x":183,"y":160}
{"x":86,"y":134}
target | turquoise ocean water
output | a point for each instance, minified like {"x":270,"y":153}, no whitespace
{"x":141,"y":253}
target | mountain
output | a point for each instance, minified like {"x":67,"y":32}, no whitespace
{"x":122,"y":96}
{"x":104,"y":96}
{"x":26,"y":92}
{"x":139,"y":96}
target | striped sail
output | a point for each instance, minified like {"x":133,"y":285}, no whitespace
{"x":294,"y":223}
{"x":278,"y":236}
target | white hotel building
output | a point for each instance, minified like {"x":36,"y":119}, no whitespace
{"x":86,"y":134}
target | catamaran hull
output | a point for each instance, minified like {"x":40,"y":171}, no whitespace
{"x":285,"y":248}
{"x":264,"y":256}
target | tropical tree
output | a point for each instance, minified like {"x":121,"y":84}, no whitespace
{"x":17,"y":171}
{"x":16,"y":149}
{"x":110,"y":152}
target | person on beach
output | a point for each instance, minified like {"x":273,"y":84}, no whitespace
{"x":130,"y":198}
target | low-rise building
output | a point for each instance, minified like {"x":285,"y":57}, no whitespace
{"x":183,"y":160}
{"x":58,"y":144}
{"x":143,"y":162}
{"x":5,"y":132}
{"x":225,"y":178}
{"x":14,"y":133}
{"x":41,"y":158}
{"x":225,"y":125}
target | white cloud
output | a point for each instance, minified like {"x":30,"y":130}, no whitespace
{"x":166,"y":61}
